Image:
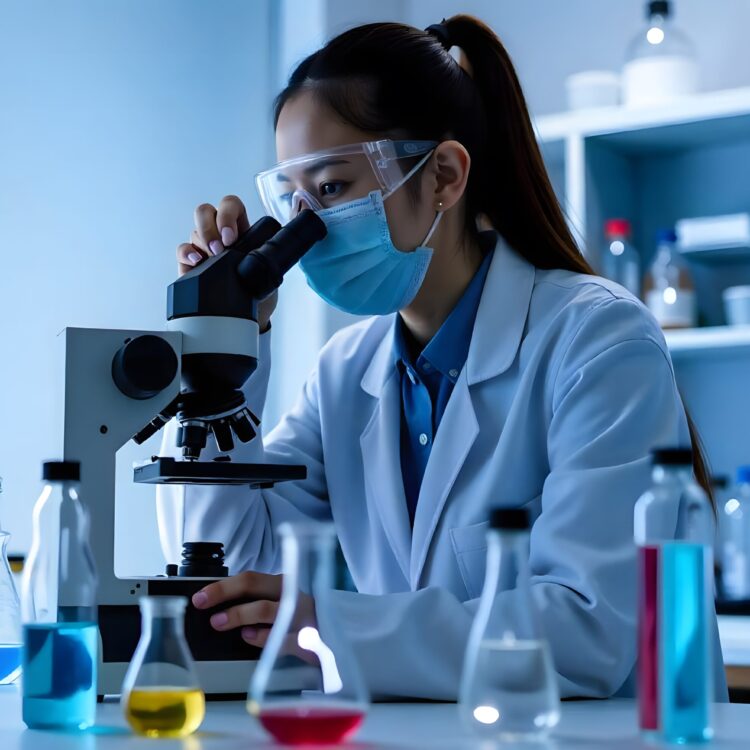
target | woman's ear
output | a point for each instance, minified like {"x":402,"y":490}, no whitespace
{"x":451,"y":163}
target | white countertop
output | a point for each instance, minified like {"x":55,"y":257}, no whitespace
{"x":585,"y":725}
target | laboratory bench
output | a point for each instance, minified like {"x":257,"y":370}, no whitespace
{"x":391,"y":726}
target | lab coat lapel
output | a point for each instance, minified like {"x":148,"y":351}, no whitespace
{"x":457,"y":432}
{"x":381,"y":453}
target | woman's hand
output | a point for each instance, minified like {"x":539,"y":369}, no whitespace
{"x":216,"y":229}
{"x":254,"y":618}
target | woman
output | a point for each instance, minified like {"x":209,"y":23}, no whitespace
{"x":497,"y":370}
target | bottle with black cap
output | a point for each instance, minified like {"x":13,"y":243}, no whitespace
{"x":508,"y":687}
{"x":58,"y":606}
{"x":674,"y":530}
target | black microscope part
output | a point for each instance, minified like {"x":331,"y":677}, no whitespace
{"x":242,"y":426}
{"x":203,"y":560}
{"x":144,"y":366}
{"x":223,"y":435}
{"x":168,"y":470}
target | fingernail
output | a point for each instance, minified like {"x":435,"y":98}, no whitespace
{"x":228,"y":236}
{"x":215,"y":246}
{"x":249,"y":634}
{"x":194,"y":257}
{"x":200,"y":599}
{"x":219,"y":619}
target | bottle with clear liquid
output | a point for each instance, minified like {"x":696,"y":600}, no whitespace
{"x":674,"y":530}
{"x":661,"y":62}
{"x":735,"y":553}
{"x":60,"y":634}
{"x":668,"y":288}
{"x":620,"y":260}
{"x":509,"y":686}
{"x":10,"y":616}
{"x":161,"y":696}
{"x":307,"y":687}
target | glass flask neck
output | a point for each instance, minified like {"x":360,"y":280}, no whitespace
{"x":507,"y":559}
{"x":307,"y":555}
{"x":164,"y":612}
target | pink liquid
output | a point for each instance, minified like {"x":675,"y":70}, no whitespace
{"x":648,"y":628}
{"x":309,"y":725}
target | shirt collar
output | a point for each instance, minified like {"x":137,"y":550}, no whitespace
{"x":447,"y":350}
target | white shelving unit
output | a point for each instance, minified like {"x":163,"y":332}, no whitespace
{"x":655,"y":166}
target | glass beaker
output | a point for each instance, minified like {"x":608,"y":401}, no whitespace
{"x":10,"y":619}
{"x":161,"y":696}
{"x":307,"y":687}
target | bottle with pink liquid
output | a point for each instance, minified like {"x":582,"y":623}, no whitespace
{"x":674,"y":533}
{"x":307,"y":687}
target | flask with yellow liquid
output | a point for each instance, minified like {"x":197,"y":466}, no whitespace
{"x":161,"y":696}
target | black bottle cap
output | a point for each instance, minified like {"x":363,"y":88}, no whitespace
{"x":510,"y":519}
{"x":657,"y":8}
{"x":672,"y":456}
{"x":61,"y":471}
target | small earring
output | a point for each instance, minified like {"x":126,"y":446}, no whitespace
{"x":440,"y":205}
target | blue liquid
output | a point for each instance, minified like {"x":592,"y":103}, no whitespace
{"x":10,"y":662}
{"x":686,"y":662}
{"x":59,"y":675}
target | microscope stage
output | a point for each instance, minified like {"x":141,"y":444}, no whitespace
{"x":173,"y":471}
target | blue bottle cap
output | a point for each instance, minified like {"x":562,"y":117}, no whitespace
{"x":743,"y":475}
{"x":665,"y":235}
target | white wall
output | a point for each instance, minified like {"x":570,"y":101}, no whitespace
{"x":118,"y":118}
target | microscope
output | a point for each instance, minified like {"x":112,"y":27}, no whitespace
{"x":122,"y":384}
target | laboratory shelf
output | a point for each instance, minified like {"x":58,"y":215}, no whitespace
{"x":717,"y":253}
{"x":692,"y":341}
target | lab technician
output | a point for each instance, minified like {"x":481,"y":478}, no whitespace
{"x":495,"y":369}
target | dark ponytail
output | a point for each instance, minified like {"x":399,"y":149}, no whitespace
{"x":397,"y":81}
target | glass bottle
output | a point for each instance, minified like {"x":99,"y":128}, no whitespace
{"x":508,"y":687}
{"x":735,"y":553}
{"x":621,"y":262}
{"x":668,"y":288}
{"x":307,"y":686}
{"x":673,"y":523}
{"x":161,"y":696}
{"x":58,"y":606}
{"x":10,"y":616}
{"x":661,"y":62}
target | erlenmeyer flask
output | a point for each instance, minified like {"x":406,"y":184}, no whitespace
{"x":10,"y":619}
{"x":161,"y":696}
{"x":307,"y":687}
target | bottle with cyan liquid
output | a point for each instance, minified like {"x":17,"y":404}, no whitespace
{"x":60,"y":634}
{"x":674,"y":533}
{"x":307,"y":687}
{"x":161,"y":696}
{"x":508,"y":688}
{"x":10,"y":616}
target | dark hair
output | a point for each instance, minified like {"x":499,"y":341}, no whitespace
{"x":398,"y":81}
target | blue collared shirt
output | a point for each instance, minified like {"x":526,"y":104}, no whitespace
{"x":426,"y":385}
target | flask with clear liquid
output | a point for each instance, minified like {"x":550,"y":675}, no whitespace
{"x":508,"y":687}
{"x":674,"y":531}
{"x":58,"y":606}
{"x":161,"y":696}
{"x":307,"y":687}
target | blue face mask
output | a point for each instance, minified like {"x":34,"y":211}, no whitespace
{"x":356,"y":266}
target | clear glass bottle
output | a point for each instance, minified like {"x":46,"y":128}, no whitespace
{"x":58,"y":606}
{"x":668,"y":288}
{"x":674,"y":530}
{"x":10,"y":616}
{"x":620,"y":260}
{"x":307,"y":687}
{"x":735,"y":553}
{"x":508,"y":687}
{"x":661,"y":61}
{"x":161,"y":695}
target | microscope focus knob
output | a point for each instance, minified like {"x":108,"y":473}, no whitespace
{"x":144,"y":366}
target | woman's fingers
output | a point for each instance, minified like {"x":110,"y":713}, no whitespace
{"x":205,"y":223}
{"x":188,"y":256}
{"x":248,"y":584}
{"x":262,"y":612}
{"x":231,"y":219}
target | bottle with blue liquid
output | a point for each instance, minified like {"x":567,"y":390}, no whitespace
{"x":674,"y":532}
{"x":10,"y":616}
{"x":60,"y":634}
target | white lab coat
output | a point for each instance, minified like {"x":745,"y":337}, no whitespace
{"x":567,"y":386}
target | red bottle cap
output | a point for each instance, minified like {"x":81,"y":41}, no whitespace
{"x":617,"y":227}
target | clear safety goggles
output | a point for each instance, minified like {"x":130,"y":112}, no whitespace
{"x":338,"y":175}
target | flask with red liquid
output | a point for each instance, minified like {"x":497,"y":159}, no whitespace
{"x":307,"y":687}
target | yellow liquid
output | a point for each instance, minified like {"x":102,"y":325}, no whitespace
{"x":165,"y":711}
